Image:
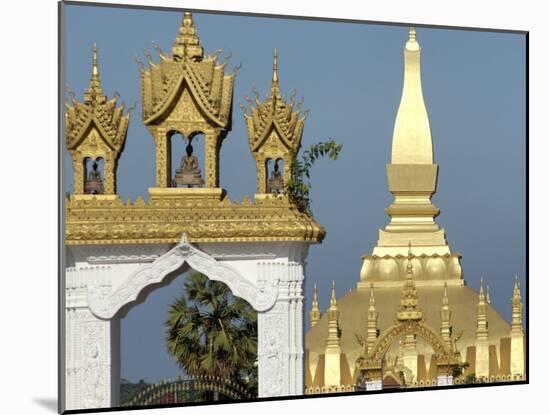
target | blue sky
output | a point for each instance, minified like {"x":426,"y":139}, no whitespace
{"x":350,"y":76}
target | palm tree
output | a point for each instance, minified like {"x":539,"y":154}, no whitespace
{"x":211,"y":332}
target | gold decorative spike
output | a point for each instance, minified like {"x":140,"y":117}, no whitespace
{"x":412,"y":177}
{"x":372,"y":321}
{"x":333,"y":350}
{"x":274,"y":130}
{"x":188,"y":93}
{"x":95,"y":129}
{"x":409,"y":297}
{"x":517,"y":308}
{"x":333,"y":339}
{"x":517,"y":346}
{"x":315,"y":314}
{"x":488,"y":297}
{"x":445,"y":318}
{"x":482,"y":336}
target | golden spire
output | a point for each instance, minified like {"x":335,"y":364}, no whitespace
{"x":187,"y":43}
{"x":372,"y":320}
{"x":409,"y":298}
{"x":94,"y":91}
{"x":412,"y":139}
{"x":315,"y":314}
{"x":488,"y":297}
{"x":482,"y":324}
{"x":445,"y":318}
{"x":275,"y":89}
{"x":517,"y":308}
{"x":333,"y":340}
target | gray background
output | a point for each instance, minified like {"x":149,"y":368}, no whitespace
{"x":351,"y":78}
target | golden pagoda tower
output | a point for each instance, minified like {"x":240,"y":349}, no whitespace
{"x":446,"y":318}
{"x":412,"y":178}
{"x":333,"y":349}
{"x":315,"y":313}
{"x":95,"y":129}
{"x":189,"y":93}
{"x":517,"y":335}
{"x":274,"y":129}
{"x":482,"y":336}
{"x":372,"y":321}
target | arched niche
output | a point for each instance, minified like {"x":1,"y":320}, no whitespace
{"x":180,"y":147}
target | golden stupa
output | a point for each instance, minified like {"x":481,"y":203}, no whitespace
{"x":412,"y":321}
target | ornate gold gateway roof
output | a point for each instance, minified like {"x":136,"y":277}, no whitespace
{"x":189,"y":93}
{"x":99,"y":220}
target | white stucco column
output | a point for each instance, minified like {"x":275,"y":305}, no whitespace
{"x":92,"y":348}
{"x":280,"y":333}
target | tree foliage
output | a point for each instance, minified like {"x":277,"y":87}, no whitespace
{"x":211,"y":332}
{"x":298,"y":187}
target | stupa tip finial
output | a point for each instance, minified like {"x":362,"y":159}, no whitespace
{"x":481,"y":293}
{"x":412,"y":43}
{"x":95,"y":70}
{"x":275,"y":75}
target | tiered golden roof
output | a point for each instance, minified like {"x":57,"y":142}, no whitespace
{"x":205,"y":76}
{"x":95,"y":128}
{"x":274,"y":128}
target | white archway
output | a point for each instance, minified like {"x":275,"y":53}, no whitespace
{"x":104,"y":281}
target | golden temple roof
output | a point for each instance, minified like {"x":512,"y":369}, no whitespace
{"x":205,"y":77}
{"x":96,"y":110}
{"x":275,"y":113}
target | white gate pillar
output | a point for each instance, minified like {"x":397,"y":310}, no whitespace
{"x":92,"y":347}
{"x":280,"y":333}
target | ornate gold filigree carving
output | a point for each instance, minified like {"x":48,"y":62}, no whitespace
{"x":96,"y":220}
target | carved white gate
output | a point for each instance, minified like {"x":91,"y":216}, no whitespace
{"x":103,"y":283}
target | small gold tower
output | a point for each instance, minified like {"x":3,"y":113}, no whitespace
{"x":333,"y":349}
{"x":315,"y":313}
{"x":482,"y":336}
{"x":446,"y":318}
{"x":517,"y":347}
{"x":187,"y":93}
{"x":274,"y":130}
{"x":95,"y":129}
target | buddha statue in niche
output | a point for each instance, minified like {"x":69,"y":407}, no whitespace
{"x":189,"y":173}
{"x":94,"y":182}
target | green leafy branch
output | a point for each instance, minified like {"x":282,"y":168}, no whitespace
{"x":298,"y":187}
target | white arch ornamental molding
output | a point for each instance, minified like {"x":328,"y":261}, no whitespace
{"x":105,"y":306}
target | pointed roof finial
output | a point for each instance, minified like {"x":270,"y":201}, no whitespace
{"x":488,"y":297}
{"x":481,"y":293}
{"x":315,"y":314}
{"x":187,"y":43}
{"x":333,"y":295}
{"x":94,"y":91}
{"x":275,"y":75}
